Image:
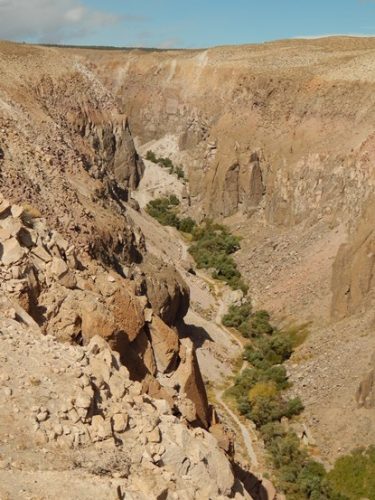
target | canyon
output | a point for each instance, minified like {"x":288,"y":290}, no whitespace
{"x":99,"y":306}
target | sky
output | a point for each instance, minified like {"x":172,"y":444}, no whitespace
{"x":181,"y":24}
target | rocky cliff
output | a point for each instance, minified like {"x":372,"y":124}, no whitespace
{"x":281,"y":133}
{"x":74,"y":268}
{"x":278,"y":141}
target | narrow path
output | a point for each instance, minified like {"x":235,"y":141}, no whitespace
{"x":181,"y":254}
{"x":219,"y":393}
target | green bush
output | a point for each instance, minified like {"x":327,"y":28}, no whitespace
{"x":162,"y":209}
{"x":238,"y":317}
{"x":150,"y":156}
{"x":248,"y":323}
{"x":187,"y":225}
{"x":267,"y":351}
{"x":353,"y":476}
{"x":212,"y":249}
{"x":166,"y":163}
{"x":260,"y":324}
{"x":173,"y":200}
{"x":265,"y":408}
{"x":298,"y":475}
{"x":180,"y":173}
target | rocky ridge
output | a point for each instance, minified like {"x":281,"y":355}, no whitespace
{"x":103,"y":378}
{"x":277,"y":140}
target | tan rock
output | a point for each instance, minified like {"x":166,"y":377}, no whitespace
{"x":11,"y":252}
{"x":101,"y":428}
{"x":117,"y":385}
{"x":58,"y":267}
{"x":120,"y":422}
{"x":68,"y":280}
{"x":4,"y":206}
{"x":4,"y":234}
{"x":189,"y":378}
{"x":12,"y":225}
{"x":224,"y":439}
{"x":165,"y":344}
{"x":16,"y":211}
{"x":154,"y":436}
{"x":41,"y":253}
{"x":166,"y":290}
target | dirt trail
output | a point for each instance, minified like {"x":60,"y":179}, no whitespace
{"x":218,"y":353}
{"x":221,"y":307}
{"x":219,"y":393}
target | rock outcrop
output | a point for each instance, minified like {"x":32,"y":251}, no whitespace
{"x":75,"y":300}
{"x":353,"y":282}
{"x":67,"y":407}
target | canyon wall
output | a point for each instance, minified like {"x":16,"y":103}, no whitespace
{"x":283,"y":131}
{"x":68,"y":164}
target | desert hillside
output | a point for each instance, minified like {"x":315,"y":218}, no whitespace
{"x":113,"y":349}
{"x":277,"y":140}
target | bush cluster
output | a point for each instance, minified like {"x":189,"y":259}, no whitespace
{"x":250,"y":324}
{"x":299,"y":476}
{"x":212,"y":249}
{"x":353,"y":476}
{"x":166,"y":163}
{"x":269,"y":350}
{"x":164,"y":210}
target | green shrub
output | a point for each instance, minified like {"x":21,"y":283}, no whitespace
{"x":150,"y":156}
{"x":173,"y":200}
{"x":249,"y":377}
{"x":260,"y":324}
{"x":165,"y":163}
{"x":180,"y":173}
{"x":298,"y":475}
{"x":162,"y":209}
{"x":238,"y":317}
{"x":353,"y":476}
{"x":262,"y":389}
{"x":266,"y":408}
{"x":187,"y":225}
{"x":266,"y":351}
{"x":248,"y":323}
{"x":212,"y":249}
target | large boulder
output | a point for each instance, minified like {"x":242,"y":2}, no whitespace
{"x":167,"y":291}
{"x":165,"y":344}
{"x":189,"y":378}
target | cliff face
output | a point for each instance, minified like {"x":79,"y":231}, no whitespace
{"x":354,"y":269}
{"x":288,"y":108}
{"x":68,"y":156}
{"x":278,"y":141}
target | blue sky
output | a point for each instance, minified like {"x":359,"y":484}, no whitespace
{"x":170,"y":23}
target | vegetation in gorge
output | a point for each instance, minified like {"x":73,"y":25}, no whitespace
{"x":258,"y":392}
{"x":212,"y":249}
{"x":353,"y":476}
{"x":212,"y":244}
{"x":166,"y":163}
{"x":165,"y":211}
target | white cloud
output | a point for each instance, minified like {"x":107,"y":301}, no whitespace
{"x":49,"y":20}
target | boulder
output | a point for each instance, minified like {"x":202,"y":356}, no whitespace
{"x":165,"y":344}
{"x":167,"y":291}
{"x":189,"y":378}
{"x":11,"y":252}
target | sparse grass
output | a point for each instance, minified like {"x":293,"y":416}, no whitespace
{"x":298,"y":333}
{"x":30,"y":213}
